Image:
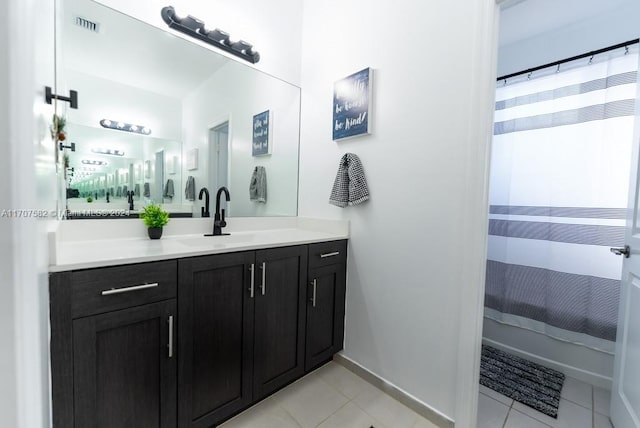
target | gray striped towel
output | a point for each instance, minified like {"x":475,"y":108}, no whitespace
{"x":190,"y":189}
{"x":258,"y":185}
{"x":350,"y":186}
{"x":168,"y":189}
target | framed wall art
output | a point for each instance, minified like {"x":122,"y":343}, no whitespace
{"x":352,"y":105}
{"x":261,"y":142}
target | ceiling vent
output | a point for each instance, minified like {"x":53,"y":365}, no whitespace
{"x":87,"y":25}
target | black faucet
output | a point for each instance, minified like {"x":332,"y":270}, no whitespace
{"x":205,"y":212}
{"x":130,"y":200}
{"x":218,"y":219}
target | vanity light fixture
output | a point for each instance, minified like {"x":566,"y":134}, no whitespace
{"x":195,"y":28}
{"x":93,"y":162}
{"x":122,"y":126}
{"x":108,"y":152}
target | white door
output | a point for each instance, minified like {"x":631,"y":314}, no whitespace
{"x":625,"y":395}
{"x":219,"y":156}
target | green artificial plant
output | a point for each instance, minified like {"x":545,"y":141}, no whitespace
{"x":154,"y":216}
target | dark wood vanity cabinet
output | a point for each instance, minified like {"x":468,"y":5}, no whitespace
{"x":124,"y":369}
{"x":241,"y":330}
{"x":216,"y":337}
{"x":325,"y":302}
{"x":113,"y":361}
{"x":193,"y":341}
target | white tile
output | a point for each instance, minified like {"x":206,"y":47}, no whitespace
{"x":342,"y":379}
{"x":390,"y":412}
{"x":520,"y":420}
{"x":491,"y":413}
{"x":577,"y":391}
{"x":266,"y":414}
{"x":423,"y":423}
{"x":310,"y":400}
{"x":350,"y":415}
{"x":601,"y":421}
{"x":601,"y":401}
{"x":570,"y":415}
{"x":496,"y":395}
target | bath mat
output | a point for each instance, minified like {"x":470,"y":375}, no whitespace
{"x":529,"y":383}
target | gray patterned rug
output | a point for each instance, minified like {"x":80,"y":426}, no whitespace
{"x":529,"y":383}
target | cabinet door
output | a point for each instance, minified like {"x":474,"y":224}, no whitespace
{"x":279,"y":318}
{"x":125,"y":368}
{"x":325,"y":314}
{"x":216,"y":337}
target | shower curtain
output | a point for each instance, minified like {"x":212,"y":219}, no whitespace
{"x":558,"y":196}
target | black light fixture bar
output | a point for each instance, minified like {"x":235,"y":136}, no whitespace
{"x":194,"y":27}
{"x":108,"y":152}
{"x":93,"y":162}
{"x":123,"y":126}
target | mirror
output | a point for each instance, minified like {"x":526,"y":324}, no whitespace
{"x":213,"y":121}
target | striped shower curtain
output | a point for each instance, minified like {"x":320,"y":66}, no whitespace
{"x":558,"y":195}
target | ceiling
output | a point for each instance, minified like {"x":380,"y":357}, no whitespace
{"x":524,"y":19}
{"x":132,"y":52}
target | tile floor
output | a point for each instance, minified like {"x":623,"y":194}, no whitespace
{"x":581,"y":406}
{"x":330,"y":397}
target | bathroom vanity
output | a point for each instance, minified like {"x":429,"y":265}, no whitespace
{"x":189,"y":330}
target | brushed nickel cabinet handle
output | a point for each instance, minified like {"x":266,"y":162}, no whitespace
{"x":335,"y":253}
{"x":313,"y":297}
{"x":128,"y":289}
{"x":263,"y":286}
{"x":253,"y":280}
{"x":170,"y":345}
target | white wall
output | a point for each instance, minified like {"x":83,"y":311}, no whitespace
{"x":417,"y":247}
{"x":27,"y":171}
{"x":614,"y":26}
{"x":236,"y":93}
{"x":273,"y":27}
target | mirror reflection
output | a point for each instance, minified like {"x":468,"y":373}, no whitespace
{"x":164,"y":117}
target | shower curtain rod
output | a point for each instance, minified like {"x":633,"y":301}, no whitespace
{"x":563,"y":61}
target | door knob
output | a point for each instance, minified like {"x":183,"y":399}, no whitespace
{"x":626,"y":251}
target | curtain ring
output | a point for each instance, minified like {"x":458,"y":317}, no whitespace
{"x":505,"y":82}
{"x":591,"y":59}
{"x":529,"y":75}
{"x":558,"y":69}
{"x":626,"y":50}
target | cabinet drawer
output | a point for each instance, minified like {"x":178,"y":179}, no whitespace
{"x":95,"y":291}
{"x":327,"y":253}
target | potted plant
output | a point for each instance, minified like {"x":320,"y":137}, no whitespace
{"x":154,"y":217}
{"x":57,"y":128}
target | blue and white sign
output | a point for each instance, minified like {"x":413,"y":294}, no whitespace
{"x":261,"y":134}
{"x":352,"y":105}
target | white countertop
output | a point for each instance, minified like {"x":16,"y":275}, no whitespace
{"x":82,"y":244}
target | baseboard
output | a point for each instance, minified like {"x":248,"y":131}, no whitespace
{"x":574,"y":372}
{"x":402,"y":396}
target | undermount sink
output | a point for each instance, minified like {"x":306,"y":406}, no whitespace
{"x":214,"y":241}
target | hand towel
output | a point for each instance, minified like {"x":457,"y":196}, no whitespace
{"x":258,"y":185}
{"x":147,"y":190}
{"x":136,"y":190}
{"x":190,"y":189}
{"x":350,"y":186}
{"x":168,"y":189}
